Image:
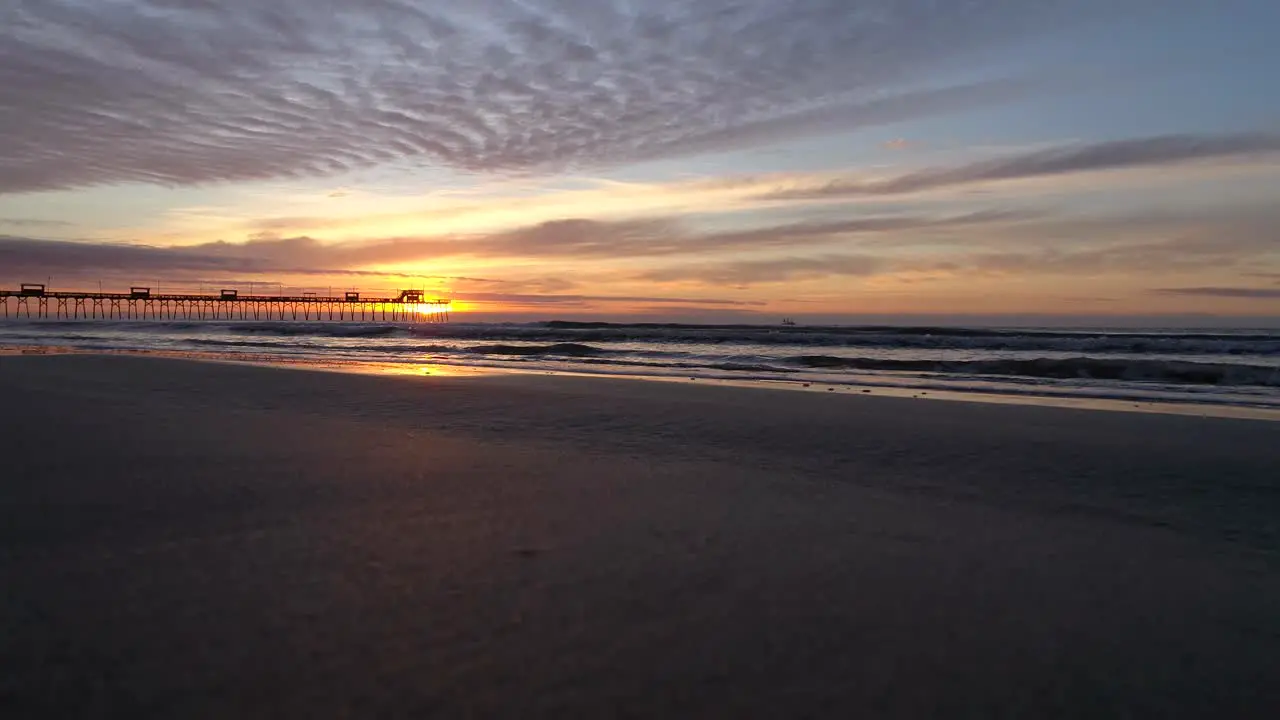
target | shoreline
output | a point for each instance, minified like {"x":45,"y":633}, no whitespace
{"x":1127,"y":405}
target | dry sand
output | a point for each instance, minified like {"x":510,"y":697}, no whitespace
{"x":186,"y":540}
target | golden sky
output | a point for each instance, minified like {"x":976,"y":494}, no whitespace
{"x":677,"y":162}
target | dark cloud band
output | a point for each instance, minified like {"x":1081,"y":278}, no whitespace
{"x":1116,"y":155}
{"x":1224,"y":292}
{"x":570,"y":239}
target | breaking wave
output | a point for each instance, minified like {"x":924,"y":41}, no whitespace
{"x":1081,"y":368}
{"x":561,"y":349}
{"x":869,"y":336}
{"x":1248,"y":343}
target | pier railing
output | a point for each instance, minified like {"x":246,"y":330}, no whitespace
{"x":34,"y":301}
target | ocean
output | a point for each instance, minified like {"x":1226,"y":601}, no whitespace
{"x":1208,"y":367}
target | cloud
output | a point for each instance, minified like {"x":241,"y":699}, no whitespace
{"x":22,"y":257}
{"x":1116,"y":155}
{"x":34,"y":223}
{"x":179,"y":92}
{"x":777,"y":270}
{"x":554,"y":299}
{"x":1223,"y":292}
{"x":668,"y":236}
{"x":1230,"y":244}
{"x":984,"y":243}
{"x":1240,"y":238}
{"x":1138,"y":246}
{"x":846,"y":116}
{"x":565,"y":239}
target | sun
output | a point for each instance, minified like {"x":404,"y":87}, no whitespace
{"x":441,"y":309}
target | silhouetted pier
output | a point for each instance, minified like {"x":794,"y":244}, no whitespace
{"x":37,"y":302}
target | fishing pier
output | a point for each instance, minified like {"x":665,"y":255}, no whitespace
{"x":35,"y":301}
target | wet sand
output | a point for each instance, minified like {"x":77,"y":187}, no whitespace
{"x":186,"y":539}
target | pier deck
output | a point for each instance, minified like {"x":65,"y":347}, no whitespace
{"x":32,"y":301}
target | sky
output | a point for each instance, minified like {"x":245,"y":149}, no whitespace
{"x":680,"y":160}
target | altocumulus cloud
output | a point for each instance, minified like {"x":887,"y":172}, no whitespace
{"x":194,"y":91}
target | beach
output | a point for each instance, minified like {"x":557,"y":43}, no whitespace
{"x":197,"y":539}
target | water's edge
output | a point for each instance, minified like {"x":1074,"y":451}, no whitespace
{"x":1239,"y":369}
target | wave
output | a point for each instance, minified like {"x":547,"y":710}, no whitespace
{"x":1154,"y":371}
{"x":1167,"y":371}
{"x":1081,"y":368}
{"x":1254,"y":343}
{"x":1195,"y":358}
{"x":561,"y":349}
{"x":293,"y":329}
{"x":574,"y":350}
{"x":937,"y":330}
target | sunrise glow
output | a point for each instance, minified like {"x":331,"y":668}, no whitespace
{"x":748,"y":162}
